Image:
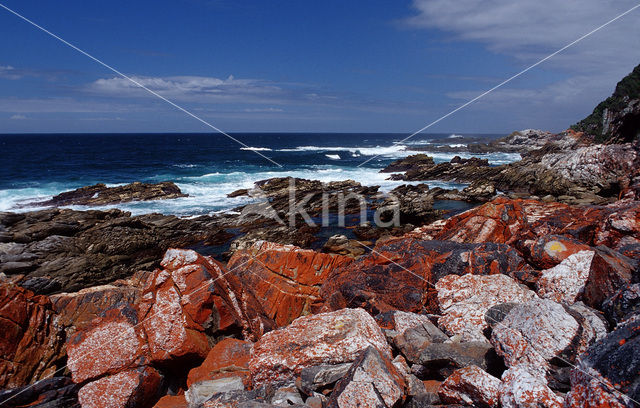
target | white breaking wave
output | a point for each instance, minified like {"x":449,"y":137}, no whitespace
{"x":257,"y":149}
{"x":333,"y":156}
{"x":454,"y":136}
{"x":389,"y":151}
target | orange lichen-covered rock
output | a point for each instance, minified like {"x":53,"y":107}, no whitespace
{"x":170,"y":330}
{"x":400,"y":273}
{"x":76,"y":310}
{"x":228,"y":357}
{"x":31,"y":341}
{"x":326,"y":338}
{"x":372,"y":381}
{"x":549,"y":250}
{"x":172,"y":401}
{"x":115,"y":343}
{"x":126,"y":389}
{"x":471,"y":386}
{"x":621,"y":227}
{"x":464,"y":300}
{"x":284,"y":278}
{"x":500,"y":220}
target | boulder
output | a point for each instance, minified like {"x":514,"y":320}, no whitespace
{"x":444,"y":358}
{"x":202,"y":391}
{"x":126,"y":389}
{"x":31,"y":340}
{"x":414,"y":340}
{"x":113,"y":344}
{"x":172,"y":401}
{"x":521,"y":389}
{"x":464,"y":300}
{"x":621,"y":226}
{"x":326,"y":338}
{"x":536,"y":332}
{"x":372,"y":381}
{"x":607,"y":373}
{"x":229,"y":357}
{"x":285,"y":279}
{"x":400,"y":273}
{"x":624,"y":304}
{"x":77,"y":310}
{"x":566,"y":281}
{"x":318,"y":377}
{"x":471,"y":386}
{"x":609,"y":272}
{"x":548,"y":251}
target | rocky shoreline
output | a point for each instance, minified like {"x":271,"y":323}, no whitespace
{"x":530,"y":297}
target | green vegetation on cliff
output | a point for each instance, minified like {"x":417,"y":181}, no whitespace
{"x":622,"y":111}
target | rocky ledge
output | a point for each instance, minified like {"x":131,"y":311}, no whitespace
{"x":515,"y":303}
{"x":100,"y":194}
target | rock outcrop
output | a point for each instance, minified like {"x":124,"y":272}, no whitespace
{"x":100,"y":194}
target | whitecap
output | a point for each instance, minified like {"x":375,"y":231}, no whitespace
{"x":333,"y":156}
{"x":256,"y":149}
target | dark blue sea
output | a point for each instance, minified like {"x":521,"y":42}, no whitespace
{"x":205,"y":166}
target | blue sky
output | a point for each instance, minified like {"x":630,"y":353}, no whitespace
{"x":334,"y":65}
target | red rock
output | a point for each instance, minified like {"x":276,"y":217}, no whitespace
{"x":500,"y":220}
{"x":171,"y":332}
{"x":621,"y":227}
{"x":130,"y":388}
{"x":609,"y":272}
{"x":399,"y":321}
{"x":522,"y":389}
{"x":114,"y":343}
{"x":31,"y":341}
{"x":228,"y":357}
{"x":400,"y":274}
{"x":326,"y":338}
{"x":372,"y":381}
{"x":464,"y":300}
{"x":548,"y":251}
{"x":172,"y":401}
{"x":285,"y":279}
{"x":471,"y":386}
{"x":77,"y":310}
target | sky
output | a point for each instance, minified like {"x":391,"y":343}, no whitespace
{"x":310,"y":66}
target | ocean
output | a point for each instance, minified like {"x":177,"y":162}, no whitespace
{"x":35,"y":167}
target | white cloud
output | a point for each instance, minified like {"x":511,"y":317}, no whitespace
{"x":18,"y":117}
{"x":62,"y":105}
{"x":529,"y":30}
{"x":9,"y":72}
{"x":194,"y":88}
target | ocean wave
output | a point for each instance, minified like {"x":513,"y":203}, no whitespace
{"x":257,"y":149}
{"x":333,"y":156}
{"x":455,"y":136}
{"x":392,"y":150}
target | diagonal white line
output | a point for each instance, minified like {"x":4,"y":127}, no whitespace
{"x":500,"y":323}
{"x":506,"y":81}
{"x":137,"y":83}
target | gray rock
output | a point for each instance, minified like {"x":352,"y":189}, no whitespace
{"x":286,"y":396}
{"x":414,"y":340}
{"x":447,"y":357}
{"x":202,"y":391}
{"x":321,"y":376}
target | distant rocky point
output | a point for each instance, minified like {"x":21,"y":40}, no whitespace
{"x":100,"y":194}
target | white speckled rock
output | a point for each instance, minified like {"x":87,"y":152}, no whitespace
{"x":471,"y":386}
{"x":533,"y":333}
{"x":464,"y":300}
{"x":325,"y":338}
{"x":129,"y":388}
{"x":565,"y":282}
{"x":521,"y":389}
